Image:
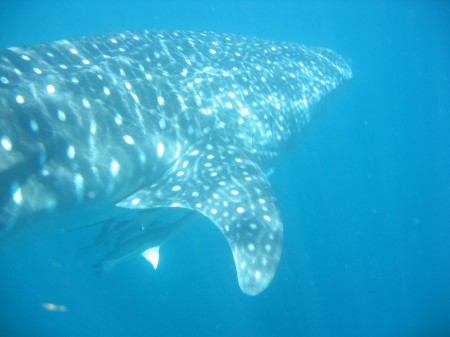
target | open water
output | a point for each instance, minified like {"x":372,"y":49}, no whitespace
{"x":364,"y":193}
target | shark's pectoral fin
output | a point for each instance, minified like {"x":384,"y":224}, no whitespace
{"x":232,"y":191}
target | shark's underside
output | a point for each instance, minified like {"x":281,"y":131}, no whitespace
{"x":134,"y":121}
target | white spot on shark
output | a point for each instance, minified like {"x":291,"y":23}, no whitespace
{"x":115,"y":167}
{"x":6,"y":143}
{"x":162,"y":123}
{"x":160,"y":149}
{"x":136,"y":201}
{"x":128,"y":139}
{"x":70,"y":152}
{"x":51,"y":89}
{"x":34,"y":126}
{"x":62,"y":116}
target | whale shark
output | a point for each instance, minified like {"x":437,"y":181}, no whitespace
{"x":101,"y":126}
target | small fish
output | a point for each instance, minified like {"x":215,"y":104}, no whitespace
{"x":147,"y":243}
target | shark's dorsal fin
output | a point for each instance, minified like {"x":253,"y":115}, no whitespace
{"x":233,"y":192}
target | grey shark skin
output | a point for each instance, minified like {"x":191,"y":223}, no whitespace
{"x":140,"y":120}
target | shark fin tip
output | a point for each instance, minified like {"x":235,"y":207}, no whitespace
{"x":152,"y":256}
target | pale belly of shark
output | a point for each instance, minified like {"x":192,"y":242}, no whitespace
{"x":142,"y":120}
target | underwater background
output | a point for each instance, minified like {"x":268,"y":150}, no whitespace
{"x":364,"y":193}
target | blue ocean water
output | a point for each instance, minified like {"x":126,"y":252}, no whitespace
{"x":364,"y":193}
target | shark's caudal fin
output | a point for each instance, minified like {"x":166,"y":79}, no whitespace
{"x":233,"y":192}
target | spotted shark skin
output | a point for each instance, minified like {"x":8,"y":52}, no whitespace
{"x":141,"y":120}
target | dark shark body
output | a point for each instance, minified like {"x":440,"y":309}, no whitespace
{"x":140,"y":120}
